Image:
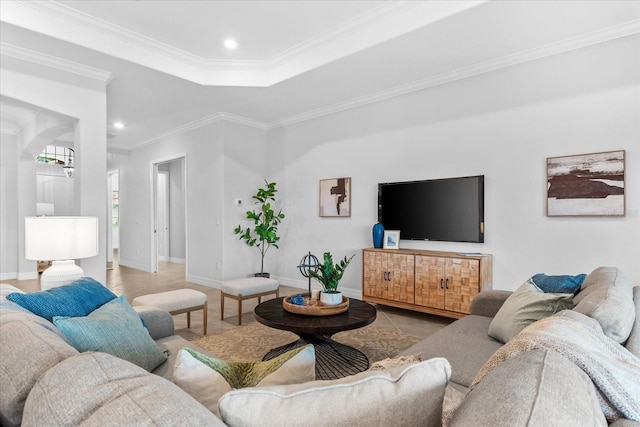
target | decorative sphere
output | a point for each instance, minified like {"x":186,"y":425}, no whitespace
{"x":308,"y":262}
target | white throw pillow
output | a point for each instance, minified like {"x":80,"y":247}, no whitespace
{"x":194,"y":373}
{"x":409,"y":395}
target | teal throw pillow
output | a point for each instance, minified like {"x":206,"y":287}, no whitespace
{"x":114,"y":328}
{"x":78,"y":298}
{"x":563,"y":284}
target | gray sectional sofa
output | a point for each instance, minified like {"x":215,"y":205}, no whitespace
{"x":45,"y":381}
{"x":538,"y":387}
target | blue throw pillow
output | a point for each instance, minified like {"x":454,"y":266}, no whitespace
{"x":559,"y":284}
{"x":78,"y":298}
{"x":114,"y":328}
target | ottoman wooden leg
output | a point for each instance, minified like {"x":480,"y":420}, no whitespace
{"x":188,"y":319}
{"x":240,"y":310}
{"x":204,"y":319}
{"x":221,"y":306}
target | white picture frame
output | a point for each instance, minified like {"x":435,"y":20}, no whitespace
{"x":391,"y":239}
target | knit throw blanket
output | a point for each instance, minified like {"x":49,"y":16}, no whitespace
{"x":614,"y":370}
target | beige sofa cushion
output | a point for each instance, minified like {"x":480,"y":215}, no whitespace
{"x":406,"y":396}
{"x":606,"y":295}
{"x":30,"y":346}
{"x":535,"y":388}
{"x":633,"y":343}
{"x":97,"y":389}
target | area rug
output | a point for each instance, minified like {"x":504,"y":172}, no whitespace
{"x":253,"y":341}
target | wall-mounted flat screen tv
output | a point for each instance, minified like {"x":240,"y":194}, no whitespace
{"x":449,"y":209}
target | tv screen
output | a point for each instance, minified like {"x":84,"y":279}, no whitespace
{"x":449,"y":209}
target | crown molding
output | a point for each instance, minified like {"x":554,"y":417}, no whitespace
{"x":204,"y":121}
{"x":615,"y":32}
{"x":601,"y":36}
{"x":385,"y":22}
{"x":39,"y":58}
{"x":389,"y":20}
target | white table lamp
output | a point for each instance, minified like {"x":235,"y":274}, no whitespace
{"x":61,"y":239}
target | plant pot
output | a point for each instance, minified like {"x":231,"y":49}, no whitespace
{"x":267,"y":275}
{"x":331,"y":299}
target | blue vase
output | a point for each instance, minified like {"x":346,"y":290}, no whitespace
{"x":378,"y":233}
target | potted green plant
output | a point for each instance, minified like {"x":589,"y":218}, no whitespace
{"x":264,"y":233}
{"x":329,"y":275}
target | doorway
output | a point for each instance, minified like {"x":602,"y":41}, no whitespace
{"x":113,"y":218}
{"x":169,"y":218}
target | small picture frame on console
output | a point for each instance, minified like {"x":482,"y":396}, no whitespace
{"x":391,"y":239}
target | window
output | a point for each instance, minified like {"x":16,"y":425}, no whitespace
{"x":56,"y":155}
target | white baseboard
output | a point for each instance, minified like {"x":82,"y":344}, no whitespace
{"x":131,"y":264}
{"x":177,"y":260}
{"x":8,"y":276}
{"x":28,"y":276}
{"x":204,"y":281}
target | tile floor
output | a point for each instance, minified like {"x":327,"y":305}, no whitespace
{"x":132,"y":283}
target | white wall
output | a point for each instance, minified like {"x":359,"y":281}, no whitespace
{"x":52,"y":186}
{"x":177,"y":218}
{"x":503,"y":125}
{"x":83,"y":101}
{"x":245,"y":169}
{"x":223,"y":161}
{"x":8,"y":203}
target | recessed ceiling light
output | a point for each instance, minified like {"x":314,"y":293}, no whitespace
{"x":230,"y":44}
{"x":118,"y":125}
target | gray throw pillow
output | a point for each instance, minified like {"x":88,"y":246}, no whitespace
{"x":526,"y":305}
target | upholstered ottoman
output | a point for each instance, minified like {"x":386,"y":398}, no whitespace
{"x":242,"y":289}
{"x":177,"y":302}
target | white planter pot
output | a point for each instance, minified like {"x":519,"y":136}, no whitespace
{"x":331,"y":299}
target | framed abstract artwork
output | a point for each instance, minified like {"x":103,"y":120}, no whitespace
{"x":586,"y":184}
{"x":335,"y":197}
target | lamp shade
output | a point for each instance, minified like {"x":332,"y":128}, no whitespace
{"x":60,"y":237}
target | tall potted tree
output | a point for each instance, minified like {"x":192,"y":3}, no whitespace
{"x":264,"y":233}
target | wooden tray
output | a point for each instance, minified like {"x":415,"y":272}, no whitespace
{"x":316,"y":310}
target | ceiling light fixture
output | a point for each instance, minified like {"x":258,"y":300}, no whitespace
{"x":230,"y":44}
{"x":118,"y":125}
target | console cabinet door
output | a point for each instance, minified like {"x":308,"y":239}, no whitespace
{"x":429,"y":281}
{"x":388,"y":276}
{"x":374,"y":274}
{"x":400,"y":278}
{"x":462,"y":284}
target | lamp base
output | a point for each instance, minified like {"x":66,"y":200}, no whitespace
{"x":60,"y":273}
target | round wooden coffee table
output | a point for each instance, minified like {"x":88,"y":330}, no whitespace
{"x":333,"y":359}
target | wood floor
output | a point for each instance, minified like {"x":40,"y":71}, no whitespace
{"x":132,"y":283}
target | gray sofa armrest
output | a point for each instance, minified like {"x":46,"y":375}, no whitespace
{"x":159,"y":322}
{"x":487,"y":303}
